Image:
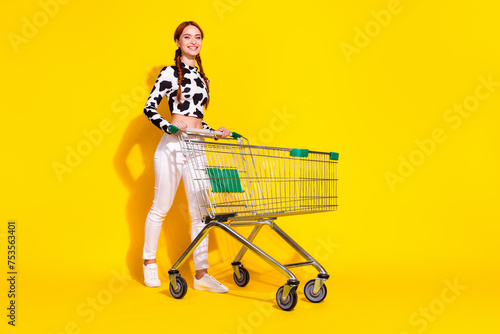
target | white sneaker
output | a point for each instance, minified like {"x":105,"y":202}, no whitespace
{"x":151,"y":275}
{"x":208,"y":283}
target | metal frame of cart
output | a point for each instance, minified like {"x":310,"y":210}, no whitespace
{"x":245,"y":185}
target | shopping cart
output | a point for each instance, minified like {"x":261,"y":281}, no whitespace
{"x":238,"y":184}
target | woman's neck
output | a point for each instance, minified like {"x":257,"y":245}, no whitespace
{"x":188,"y":61}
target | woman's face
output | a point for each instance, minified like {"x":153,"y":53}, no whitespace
{"x":190,"y":41}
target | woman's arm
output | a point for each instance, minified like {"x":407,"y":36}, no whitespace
{"x":162,"y":86}
{"x":206,"y":126}
{"x":225,"y":132}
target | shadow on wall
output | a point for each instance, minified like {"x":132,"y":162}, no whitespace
{"x":175,"y":236}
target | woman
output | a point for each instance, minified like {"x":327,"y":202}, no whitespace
{"x":186,"y":88}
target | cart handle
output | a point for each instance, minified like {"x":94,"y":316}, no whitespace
{"x":174,"y":129}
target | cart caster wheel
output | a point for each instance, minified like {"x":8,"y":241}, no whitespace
{"x":289,"y":302}
{"x":311,"y":296}
{"x":244,"y":277}
{"x":181,"y":288}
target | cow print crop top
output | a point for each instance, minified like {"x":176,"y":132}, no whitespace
{"x":194,"y":95}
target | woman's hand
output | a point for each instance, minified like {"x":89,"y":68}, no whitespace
{"x":180,"y":125}
{"x":225,"y":132}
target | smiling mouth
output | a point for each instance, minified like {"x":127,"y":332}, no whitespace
{"x":192,"y":47}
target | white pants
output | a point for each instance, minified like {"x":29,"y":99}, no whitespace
{"x":170,"y":166}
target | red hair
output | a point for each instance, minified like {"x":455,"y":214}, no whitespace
{"x":178,"y":55}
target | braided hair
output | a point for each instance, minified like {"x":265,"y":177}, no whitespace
{"x":178,"y":63}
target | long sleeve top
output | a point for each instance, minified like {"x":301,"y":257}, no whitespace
{"x":194,"y":95}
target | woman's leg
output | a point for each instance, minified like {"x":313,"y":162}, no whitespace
{"x":196,"y":188}
{"x":194,"y":192}
{"x":168,"y":162}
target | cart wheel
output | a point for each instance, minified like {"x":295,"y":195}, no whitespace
{"x":181,"y":288}
{"x":311,"y":296}
{"x":244,"y":277}
{"x":289,"y":302}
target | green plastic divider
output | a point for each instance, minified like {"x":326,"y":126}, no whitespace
{"x":299,"y":152}
{"x":225,"y":180}
{"x":334,"y":156}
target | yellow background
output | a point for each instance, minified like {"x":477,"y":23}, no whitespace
{"x":278,"y":75}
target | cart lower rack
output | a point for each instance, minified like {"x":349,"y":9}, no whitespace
{"x":238,"y":184}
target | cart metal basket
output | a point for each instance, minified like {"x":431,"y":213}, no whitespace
{"x":239,"y":184}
